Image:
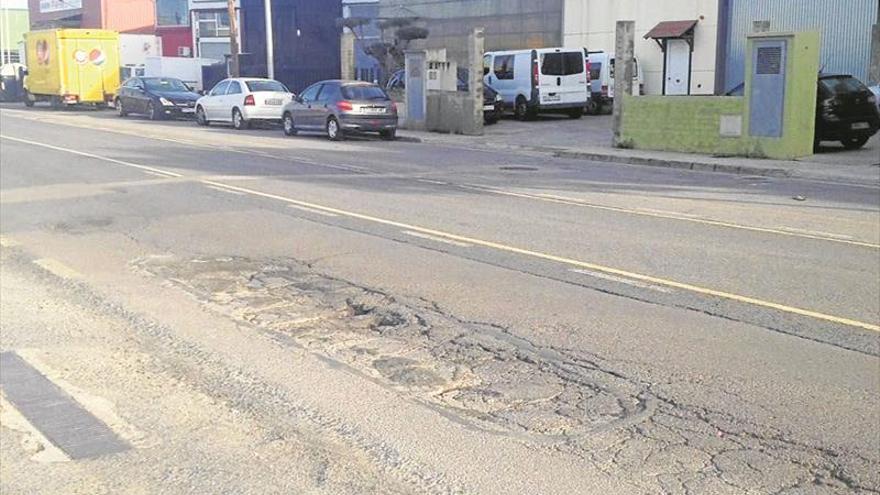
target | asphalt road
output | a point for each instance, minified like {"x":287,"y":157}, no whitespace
{"x":266,"y":314}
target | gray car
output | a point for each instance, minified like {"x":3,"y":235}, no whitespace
{"x":341,"y":107}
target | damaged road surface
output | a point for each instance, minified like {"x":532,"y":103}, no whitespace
{"x":248,"y":315}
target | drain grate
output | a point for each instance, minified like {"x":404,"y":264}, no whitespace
{"x":54,"y":413}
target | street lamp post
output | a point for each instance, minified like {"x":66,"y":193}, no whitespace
{"x":270,"y":41}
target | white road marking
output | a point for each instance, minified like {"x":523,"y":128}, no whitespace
{"x":57,"y":268}
{"x":437,"y":182}
{"x":223,"y":189}
{"x":705,"y":291}
{"x":622,"y":280}
{"x":7,"y":242}
{"x":152,"y":170}
{"x":312,"y":210}
{"x":817,"y":233}
{"x":34,"y":440}
{"x":436,"y":239}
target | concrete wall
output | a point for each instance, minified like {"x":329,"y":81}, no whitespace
{"x":720,"y":125}
{"x":509,"y":24}
{"x":590,"y":23}
{"x":450,"y":111}
{"x":690,"y":124}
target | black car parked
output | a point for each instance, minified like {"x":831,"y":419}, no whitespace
{"x":846,"y":111}
{"x":156,"y":97}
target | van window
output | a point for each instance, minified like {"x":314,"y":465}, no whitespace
{"x":504,"y":66}
{"x":562,"y":64}
{"x":487,"y":64}
{"x":635,"y":69}
{"x":595,"y":70}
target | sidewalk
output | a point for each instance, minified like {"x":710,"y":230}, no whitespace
{"x":589,"y":139}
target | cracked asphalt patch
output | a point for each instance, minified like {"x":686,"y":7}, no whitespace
{"x":486,"y":377}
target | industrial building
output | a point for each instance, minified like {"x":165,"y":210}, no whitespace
{"x":305,"y":40}
{"x":683,"y":46}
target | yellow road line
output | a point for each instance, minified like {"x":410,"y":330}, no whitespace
{"x":516,"y":250}
{"x":566,"y":261}
{"x":821,"y":236}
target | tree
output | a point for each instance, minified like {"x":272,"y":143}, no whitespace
{"x":396,"y":34}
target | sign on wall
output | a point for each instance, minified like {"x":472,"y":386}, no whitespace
{"x":59,"y":5}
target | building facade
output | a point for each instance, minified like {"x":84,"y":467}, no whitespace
{"x":14,"y":22}
{"x":366,"y":68}
{"x":306,"y":40}
{"x":509,"y":24}
{"x":124,"y":16}
{"x":210,"y":33}
{"x":173,"y":26}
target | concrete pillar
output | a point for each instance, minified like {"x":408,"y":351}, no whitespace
{"x":874,"y":70}
{"x":624,"y":47}
{"x":474,"y":110}
{"x":347,"y":56}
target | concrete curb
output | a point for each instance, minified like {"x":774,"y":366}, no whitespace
{"x":677,"y":164}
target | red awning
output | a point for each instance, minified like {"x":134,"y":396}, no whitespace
{"x":672,"y":29}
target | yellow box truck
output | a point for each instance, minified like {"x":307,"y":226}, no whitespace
{"x":71,"y":66}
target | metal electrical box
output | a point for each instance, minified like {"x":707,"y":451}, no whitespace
{"x":767,"y":107}
{"x":416,"y":88}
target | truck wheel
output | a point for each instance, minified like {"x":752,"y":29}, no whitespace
{"x":29,"y":99}
{"x":854,"y":143}
{"x":122,"y":112}
{"x":55,"y":102}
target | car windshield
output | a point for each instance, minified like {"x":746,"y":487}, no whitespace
{"x":842,"y":85}
{"x":256,"y":86}
{"x":364,"y":92}
{"x":164,"y":84}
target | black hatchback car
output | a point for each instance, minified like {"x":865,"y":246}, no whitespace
{"x":846,"y":111}
{"x":156,"y":97}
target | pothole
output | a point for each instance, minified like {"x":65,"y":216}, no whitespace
{"x":479,"y":372}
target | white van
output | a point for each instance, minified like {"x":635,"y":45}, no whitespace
{"x":601,"y":66}
{"x":542,"y":80}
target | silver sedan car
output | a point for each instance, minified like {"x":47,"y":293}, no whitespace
{"x":340,"y":107}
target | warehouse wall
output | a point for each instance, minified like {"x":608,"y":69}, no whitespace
{"x":591,"y":23}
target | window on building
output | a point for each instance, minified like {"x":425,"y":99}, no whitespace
{"x":213,"y":24}
{"x":172,"y":13}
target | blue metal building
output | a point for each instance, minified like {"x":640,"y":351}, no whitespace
{"x":845,"y":26}
{"x":306,"y":40}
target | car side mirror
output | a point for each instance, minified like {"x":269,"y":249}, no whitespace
{"x":298,"y":99}
{"x":485,"y":71}
{"x":202,"y":92}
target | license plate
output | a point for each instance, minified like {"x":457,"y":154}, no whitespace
{"x":861,"y":125}
{"x":552,"y":98}
{"x":188,"y":110}
{"x":375,"y":110}
{"x":488,"y":108}
{"x":274,"y":102}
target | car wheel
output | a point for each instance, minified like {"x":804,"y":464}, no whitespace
{"x":389,"y":135}
{"x":854,"y":143}
{"x":152,"y":113}
{"x":119,"y":109}
{"x":521,"y":109}
{"x":490,"y":119}
{"x":201,"y":117}
{"x":334,"y":132}
{"x":288,"y":125}
{"x":238,"y":121}
{"x":576,"y":113}
{"x":29,"y":99}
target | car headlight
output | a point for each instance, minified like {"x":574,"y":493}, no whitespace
{"x":166,"y":102}
{"x":499,"y":98}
